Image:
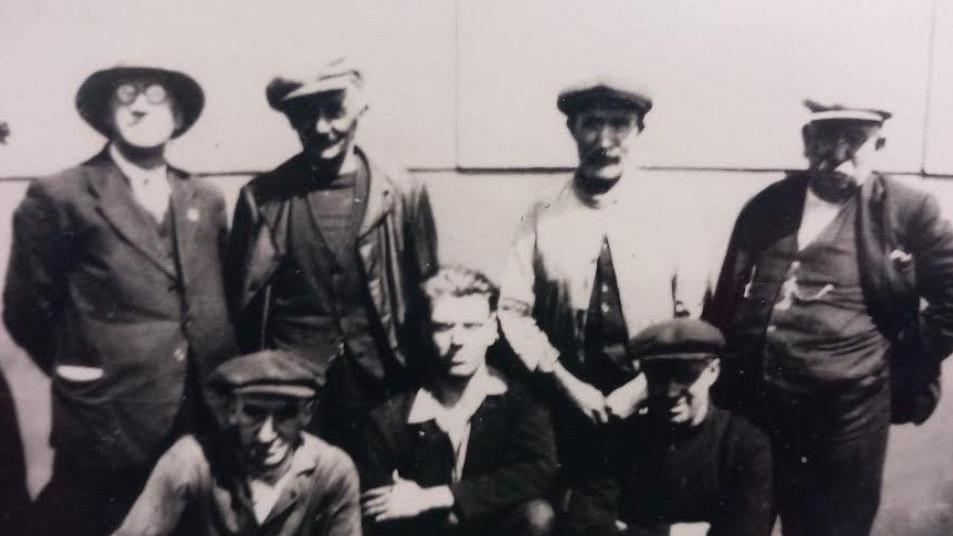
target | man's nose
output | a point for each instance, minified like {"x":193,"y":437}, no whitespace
{"x":322,"y":125}
{"x":607,"y":136}
{"x":266,"y":433}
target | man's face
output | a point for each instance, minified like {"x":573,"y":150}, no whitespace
{"x":841,"y":152}
{"x":463,"y":327}
{"x":678,"y":390}
{"x":143,"y":113}
{"x":603,"y":137}
{"x":326,"y":123}
{"x":269,"y":428}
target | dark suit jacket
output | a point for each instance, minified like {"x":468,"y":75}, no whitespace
{"x":397,"y":244}
{"x":88,"y":284}
{"x":905,"y":251}
{"x":511,"y":456}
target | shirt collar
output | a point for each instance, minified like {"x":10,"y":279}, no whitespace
{"x":484,"y":383}
{"x":132,"y":171}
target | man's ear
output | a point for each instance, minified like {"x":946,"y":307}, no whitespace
{"x":880,"y":143}
{"x":807,"y":136}
{"x":713,"y":370}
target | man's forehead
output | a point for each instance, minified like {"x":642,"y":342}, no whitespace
{"x":450,"y":307}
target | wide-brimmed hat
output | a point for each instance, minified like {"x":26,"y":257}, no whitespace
{"x":92,"y":98}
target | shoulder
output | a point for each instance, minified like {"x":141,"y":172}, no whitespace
{"x":64,"y":186}
{"x":393,"y":412}
{"x":552,"y":202}
{"x":330,"y":462}
{"x":739,"y":432}
{"x":399,"y":179}
{"x":273,"y":184}
{"x":774,"y":195}
{"x":185,"y":460}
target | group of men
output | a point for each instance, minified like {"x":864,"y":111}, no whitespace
{"x":314,"y":370}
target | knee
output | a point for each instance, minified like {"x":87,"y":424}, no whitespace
{"x":538,"y":517}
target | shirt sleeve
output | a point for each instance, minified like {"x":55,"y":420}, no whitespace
{"x":517,"y":299}
{"x":172,"y":486}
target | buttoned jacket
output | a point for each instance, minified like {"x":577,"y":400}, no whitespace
{"x":99,"y":303}
{"x":397,"y":245}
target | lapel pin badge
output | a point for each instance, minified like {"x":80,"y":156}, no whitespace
{"x":192,"y":214}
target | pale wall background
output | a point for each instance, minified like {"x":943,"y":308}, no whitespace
{"x":463,"y":93}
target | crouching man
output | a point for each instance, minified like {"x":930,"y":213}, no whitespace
{"x":260,"y":473}
{"x":683,"y":466}
{"x":469,"y":452}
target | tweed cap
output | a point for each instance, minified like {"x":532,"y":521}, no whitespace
{"x":269,"y":372}
{"x":93,"y":96}
{"x":829,"y":112}
{"x":336,"y":75}
{"x":680,"y":339}
{"x":605,"y":92}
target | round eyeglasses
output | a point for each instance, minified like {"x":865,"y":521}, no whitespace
{"x":128,"y":92}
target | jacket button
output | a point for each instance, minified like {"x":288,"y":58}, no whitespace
{"x":179,"y":354}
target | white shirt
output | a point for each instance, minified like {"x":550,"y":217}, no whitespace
{"x":455,"y":420}
{"x":150,"y":187}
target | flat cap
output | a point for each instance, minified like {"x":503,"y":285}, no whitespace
{"x":829,"y":112}
{"x":678,"y":339}
{"x":605,"y":92}
{"x":269,"y":372}
{"x":336,"y":75}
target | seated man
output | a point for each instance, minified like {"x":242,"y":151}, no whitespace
{"x":260,"y":473}
{"x":683,"y":466}
{"x":469,"y":452}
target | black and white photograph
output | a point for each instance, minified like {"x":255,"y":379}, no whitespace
{"x":470,"y":267}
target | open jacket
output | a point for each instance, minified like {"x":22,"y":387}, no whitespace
{"x":905,"y":251}
{"x":397,"y":245}
{"x":93,"y":298}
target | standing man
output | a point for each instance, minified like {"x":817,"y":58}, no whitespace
{"x":328,"y":251}
{"x":680,"y":439}
{"x":258,"y":472}
{"x":115,"y":290}
{"x":819,"y":297}
{"x":589,"y":267}
{"x":469,"y":452}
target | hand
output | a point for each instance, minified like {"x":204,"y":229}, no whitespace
{"x":699,"y":528}
{"x":590,"y":402}
{"x":404,"y":499}
{"x":626,"y":400}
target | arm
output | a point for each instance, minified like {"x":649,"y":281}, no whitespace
{"x":343,"y":506}
{"x":931,"y":244}
{"x":421,"y":234}
{"x":527,"y":470}
{"x":171,"y":488}
{"x":245,"y":227}
{"x":36,"y":282}
{"x":746,"y":504}
{"x":594,"y":505}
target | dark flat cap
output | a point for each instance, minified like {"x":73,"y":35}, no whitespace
{"x":603,"y":92}
{"x":337,"y":75}
{"x":678,"y":339}
{"x":831,"y":112}
{"x":92,"y":98}
{"x":269,"y":372}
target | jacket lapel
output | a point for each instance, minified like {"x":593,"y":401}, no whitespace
{"x":186,"y":216}
{"x":268,"y":246}
{"x":117,"y":205}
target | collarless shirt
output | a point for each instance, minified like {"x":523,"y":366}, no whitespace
{"x":150,"y":187}
{"x":455,"y":420}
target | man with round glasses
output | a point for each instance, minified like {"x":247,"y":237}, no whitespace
{"x":114,"y":288}
{"x":258,"y":472}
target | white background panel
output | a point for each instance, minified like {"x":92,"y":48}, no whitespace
{"x":727,"y":76}
{"x":47,"y":48}
{"x":939,"y":148}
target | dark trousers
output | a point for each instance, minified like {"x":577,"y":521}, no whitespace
{"x":14,"y":499}
{"x":531,"y":518}
{"x":828,"y":461}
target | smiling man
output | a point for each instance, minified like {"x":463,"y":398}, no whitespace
{"x":589,"y":267}
{"x":683,"y":466}
{"x":327,"y":252}
{"x":115,"y":290}
{"x":469,"y":452}
{"x":259,"y":473}
{"x":820,"y":300}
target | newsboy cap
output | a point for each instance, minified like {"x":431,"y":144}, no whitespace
{"x":603,"y":91}
{"x":680,"y":339}
{"x":93,"y":96}
{"x":269,"y":372}
{"x":337,"y":75}
{"x":829,"y":112}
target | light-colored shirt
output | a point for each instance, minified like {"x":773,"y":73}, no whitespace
{"x":150,"y":187}
{"x":661,"y":254}
{"x":455,"y":420}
